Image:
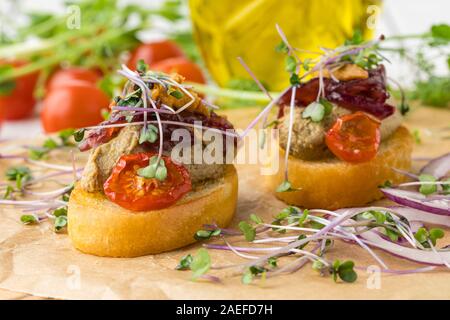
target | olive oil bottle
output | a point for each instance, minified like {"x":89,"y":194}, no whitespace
{"x":227,"y":29}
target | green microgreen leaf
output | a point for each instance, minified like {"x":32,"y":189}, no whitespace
{"x":185,"y":263}
{"x":282,"y":48}
{"x":248,"y":231}
{"x":50,"y":144}
{"x":295,"y":79}
{"x":346,"y":272}
{"x":60,"y":212}
{"x":19,"y":174}
{"x":141,"y":66}
{"x":28,"y":219}
{"x":200,"y":264}
{"x":291,"y":64}
{"x":247,"y":277}
{"x":273,"y":262}
{"x":314,"y":111}
{"x":427,"y":189}
{"x":65,"y":135}
{"x":177,"y":94}
{"x":256,"y":219}
{"x":149,"y":134}
{"x":60,"y":223}
{"x":79,"y":135}
{"x":8,"y":192}
{"x":436,"y":234}
{"x":327,"y":105}
{"x":206,"y":234}
{"x":286,"y":187}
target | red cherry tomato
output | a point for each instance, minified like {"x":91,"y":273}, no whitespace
{"x":76,"y":105}
{"x":130,"y":191}
{"x":18,"y":102}
{"x":154,"y":52}
{"x":64,"y":76}
{"x":190,"y":70}
{"x":354,"y":137}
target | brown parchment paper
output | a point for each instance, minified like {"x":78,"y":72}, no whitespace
{"x":34,"y":260}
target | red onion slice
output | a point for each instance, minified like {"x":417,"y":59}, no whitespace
{"x":439,"y":167}
{"x":418,"y":201}
{"x":422,"y":256}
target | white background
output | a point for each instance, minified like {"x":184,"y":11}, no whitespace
{"x":398,"y":17}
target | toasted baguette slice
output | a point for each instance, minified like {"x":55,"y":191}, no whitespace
{"x":333,"y":184}
{"x":98,"y":226}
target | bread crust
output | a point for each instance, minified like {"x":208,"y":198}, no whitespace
{"x":334,"y":184}
{"x":99,"y":227}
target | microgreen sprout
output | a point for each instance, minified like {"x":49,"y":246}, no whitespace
{"x":200,"y":264}
{"x":37,"y":153}
{"x":29,"y":219}
{"x":207,"y":234}
{"x":149,"y":134}
{"x":185,"y":263}
{"x":156,"y":169}
{"x":423,"y":236}
{"x":248,"y":230}
{"x":19,"y":174}
{"x":427,"y":189}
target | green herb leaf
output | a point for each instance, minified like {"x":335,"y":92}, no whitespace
{"x":50,"y":144}
{"x":327,"y":105}
{"x":291,"y":64}
{"x":142,"y":67}
{"x":295,"y":79}
{"x":79,"y":135}
{"x":427,"y":189}
{"x":60,"y":212}
{"x":185,"y":263}
{"x":286,"y":187}
{"x":206,"y":234}
{"x":177,"y":94}
{"x":65,"y":135}
{"x":248,"y":231}
{"x":247,"y":277}
{"x":150,"y":134}
{"x":436,"y":234}
{"x":60,"y":223}
{"x":8,"y":192}
{"x":28,"y":219}
{"x":272,"y":261}
{"x":256,"y":219}
{"x":282,"y":47}
{"x":315,"y":111}
{"x":200,"y":264}
{"x":346,"y":272}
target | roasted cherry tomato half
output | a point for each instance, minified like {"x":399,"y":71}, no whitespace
{"x":188,"y":69}
{"x":130,"y":191}
{"x":354,"y":137}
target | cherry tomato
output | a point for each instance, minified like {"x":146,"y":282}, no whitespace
{"x":18,"y":102}
{"x":76,"y":105}
{"x":64,"y":76}
{"x":154,"y":52}
{"x":190,"y":70}
{"x":354,"y":137}
{"x":130,"y":191}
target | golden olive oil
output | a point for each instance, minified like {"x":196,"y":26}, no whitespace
{"x":227,"y":29}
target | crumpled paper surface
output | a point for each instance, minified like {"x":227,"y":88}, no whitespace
{"x":36,"y":261}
